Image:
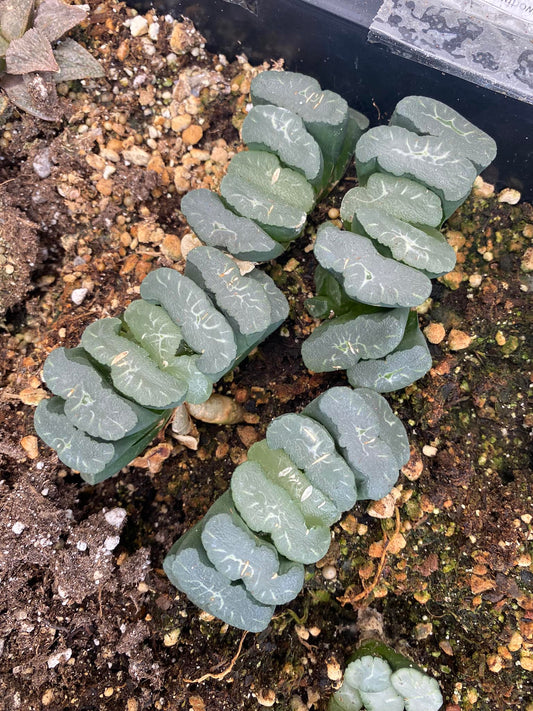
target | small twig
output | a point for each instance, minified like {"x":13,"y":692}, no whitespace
{"x":226,"y":671}
{"x":366,"y":591}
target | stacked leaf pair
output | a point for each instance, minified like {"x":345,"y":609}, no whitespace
{"x":118,"y":389}
{"x":247,"y":554}
{"x":413,"y":174}
{"x":300,"y":140}
{"x":385,"y":683}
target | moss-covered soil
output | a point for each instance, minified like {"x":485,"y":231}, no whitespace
{"x":441,"y":568}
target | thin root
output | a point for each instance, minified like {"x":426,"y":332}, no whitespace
{"x":226,"y":671}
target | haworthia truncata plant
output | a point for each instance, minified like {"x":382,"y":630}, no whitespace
{"x":380,"y":679}
{"x":295,"y":484}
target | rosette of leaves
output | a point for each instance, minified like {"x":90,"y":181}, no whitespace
{"x":32,"y":57}
{"x":379,"y":679}
{"x":94,"y":429}
{"x":285,"y":97}
{"x":430,"y":143}
{"x":249,"y":550}
{"x":400,"y":216}
{"x":365,"y":274}
{"x":300,"y":139}
{"x":116,"y":391}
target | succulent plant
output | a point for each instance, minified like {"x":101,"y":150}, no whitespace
{"x":347,"y":444}
{"x":413,"y":173}
{"x":380,"y":679}
{"x":33,"y":58}
{"x":115,"y":392}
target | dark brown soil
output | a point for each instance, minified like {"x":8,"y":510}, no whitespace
{"x":88,"y":620}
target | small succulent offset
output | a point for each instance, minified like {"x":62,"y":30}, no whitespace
{"x":380,"y":679}
{"x":33,"y":58}
{"x":300,"y":141}
{"x":413,"y":174}
{"x":115,"y":392}
{"x":247,"y":554}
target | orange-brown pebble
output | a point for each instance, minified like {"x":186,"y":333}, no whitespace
{"x":414,"y":467}
{"x":247,"y":434}
{"x":123,"y":50}
{"x":435,"y":332}
{"x":105,"y":186}
{"x":192,"y":135}
{"x":32,"y":396}
{"x":452,"y":280}
{"x":30,"y":446}
{"x":171,"y":247}
{"x":458,"y":340}
{"x":180,"y":123}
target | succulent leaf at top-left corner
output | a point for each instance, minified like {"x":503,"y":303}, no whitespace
{"x":32,"y":61}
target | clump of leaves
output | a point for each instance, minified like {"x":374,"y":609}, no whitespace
{"x":413,"y":174}
{"x":247,"y":554}
{"x":116,"y":391}
{"x":33,"y":58}
{"x":380,"y":679}
{"x":300,"y":141}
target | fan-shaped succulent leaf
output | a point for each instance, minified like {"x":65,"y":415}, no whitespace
{"x":378,"y":701}
{"x":278,"y":199}
{"x":311,"y":448}
{"x":132,"y":371}
{"x":316,"y":507}
{"x":90,"y":403}
{"x":427,"y":159}
{"x":30,"y":53}
{"x":239,"y":554}
{"x":345,"y":699}
{"x":54,"y":18}
{"x":204,"y":328}
{"x":420,"y":691}
{"x":15,"y":17}
{"x":76,"y":449}
{"x":75,"y":62}
{"x":356,"y":423}
{"x":161,"y":338}
{"x":368,"y":674}
{"x":340,"y":343}
{"x":410,"y":361}
{"x":280,"y":131}
{"x":241,"y":299}
{"x":265,"y":172}
{"x":324,"y":113}
{"x":390,"y":426}
{"x":266,"y":507}
{"x":190,"y":570}
{"x":399,"y":197}
{"x":94,"y":458}
{"x":365,"y":275}
{"x":279,"y":306}
{"x":422,"y":115}
{"x":154,"y":330}
{"x":199,"y":386}
{"x":217,"y":226}
{"x":281,"y":221}
{"x":421,"y":247}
